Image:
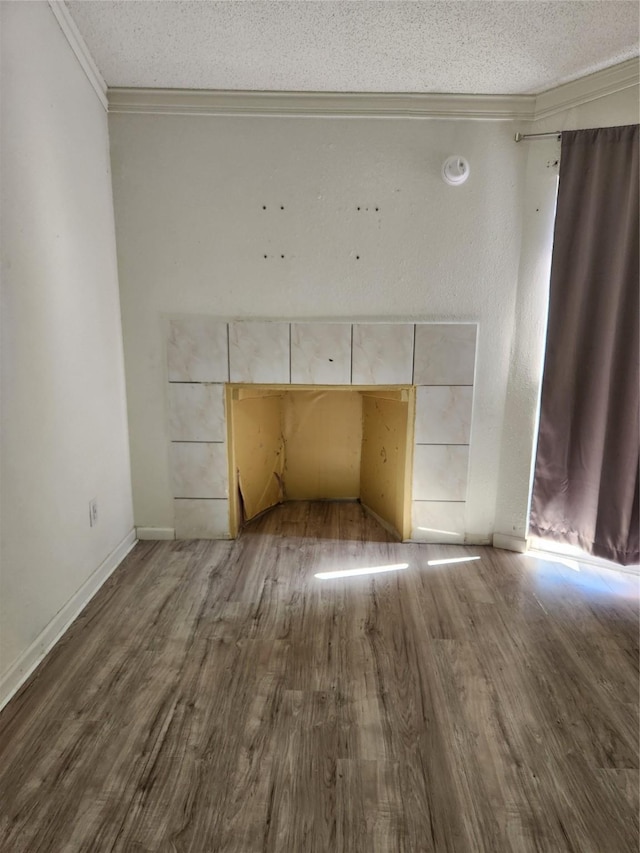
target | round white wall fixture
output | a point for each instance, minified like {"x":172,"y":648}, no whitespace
{"x":455,"y":170}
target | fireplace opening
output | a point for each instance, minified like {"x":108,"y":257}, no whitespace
{"x":300,"y":443}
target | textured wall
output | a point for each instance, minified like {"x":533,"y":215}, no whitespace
{"x":64,"y":420}
{"x":192,"y":233}
{"x":368,"y":230}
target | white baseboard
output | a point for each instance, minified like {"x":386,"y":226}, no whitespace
{"x":154,"y":534}
{"x":510,"y":543}
{"x":22,"y":668}
{"x":477,"y":539}
{"x":556,"y":551}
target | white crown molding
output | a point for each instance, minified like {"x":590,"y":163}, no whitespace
{"x":325,"y":104}
{"x":79,"y":47}
{"x":589,"y":88}
{"x":377,"y":105}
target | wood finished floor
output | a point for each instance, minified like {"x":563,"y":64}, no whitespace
{"x":216,"y":696}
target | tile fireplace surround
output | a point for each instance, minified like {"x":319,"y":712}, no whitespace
{"x":204,"y":353}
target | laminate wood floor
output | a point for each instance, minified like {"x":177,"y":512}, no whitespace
{"x":217,"y":696}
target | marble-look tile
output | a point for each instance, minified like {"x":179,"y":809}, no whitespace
{"x":259,"y":352}
{"x":445,"y":353}
{"x":440,"y":472}
{"x":321,"y":353}
{"x":443,"y":414}
{"x":199,"y":470}
{"x":197,"y":350}
{"x":382,"y":353}
{"x":196,"y":412}
{"x":201,"y":519}
{"x":438,"y":521}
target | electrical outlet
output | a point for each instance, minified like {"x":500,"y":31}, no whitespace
{"x":93,"y":512}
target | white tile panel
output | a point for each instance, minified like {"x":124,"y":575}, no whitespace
{"x":197,"y":350}
{"x":321,"y":353}
{"x":259,"y":352}
{"x":440,"y":472}
{"x":438,"y":521}
{"x":196,"y":412}
{"x":199,"y":470}
{"x":443,"y":414}
{"x":445,"y":353}
{"x":201,"y":519}
{"x":382,"y":353}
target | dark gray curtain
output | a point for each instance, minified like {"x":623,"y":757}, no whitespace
{"x":586,"y":475}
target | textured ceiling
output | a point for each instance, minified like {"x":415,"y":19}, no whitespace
{"x":487,"y":47}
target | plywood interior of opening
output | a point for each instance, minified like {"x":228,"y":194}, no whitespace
{"x":323,"y":435}
{"x":258,"y":456}
{"x":384,"y":472}
{"x":329,"y":442}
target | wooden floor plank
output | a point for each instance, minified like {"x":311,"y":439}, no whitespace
{"x":217,"y":696}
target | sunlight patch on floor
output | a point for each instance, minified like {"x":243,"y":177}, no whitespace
{"x":451,"y":560}
{"x":550,"y":572}
{"x":366,"y":570}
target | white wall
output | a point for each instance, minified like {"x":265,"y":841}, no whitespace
{"x":64,"y":420}
{"x":189,"y":192}
{"x":527,"y":354}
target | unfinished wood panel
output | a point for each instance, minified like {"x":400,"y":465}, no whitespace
{"x":258,"y":451}
{"x":318,"y":454}
{"x":323,"y":436}
{"x":217,"y":696}
{"x":383,"y":471}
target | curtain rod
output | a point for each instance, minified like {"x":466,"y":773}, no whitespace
{"x":520,"y":136}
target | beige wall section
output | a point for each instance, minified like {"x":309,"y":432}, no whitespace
{"x":323,"y":435}
{"x":383,"y":482}
{"x":189,"y":193}
{"x":258,"y":453}
{"x":64,"y":420}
